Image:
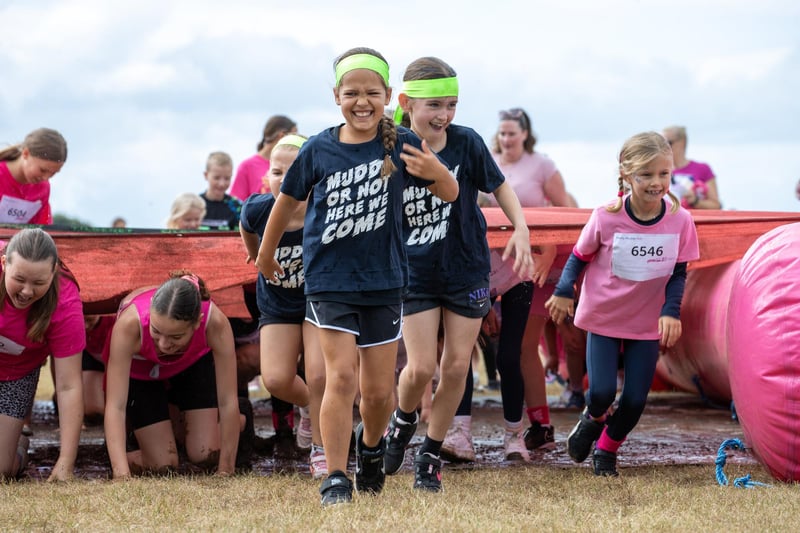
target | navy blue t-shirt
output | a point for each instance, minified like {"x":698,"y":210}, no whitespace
{"x":353,"y":239}
{"x":446,"y":242}
{"x":222,"y":214}
{"x":284,"y":299}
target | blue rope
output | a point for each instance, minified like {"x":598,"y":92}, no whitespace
{"x":742,"y":482}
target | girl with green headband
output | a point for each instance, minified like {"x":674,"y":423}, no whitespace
{"x":448,"y":263}
{"x":282,"y":329}
{"x":354,"y":176}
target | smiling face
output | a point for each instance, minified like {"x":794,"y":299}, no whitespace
{"x":27,"y":281}
{"x":650,"y":183}
{"x":37,"y":170}
{"x":191,"y":219}
{"x":362,"y":96}
{"x":169,"y":335}
{"x":430,"y":118}
{"x":219,"y":179}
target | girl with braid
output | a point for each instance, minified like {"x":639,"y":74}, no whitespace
{"x":353,"y":176}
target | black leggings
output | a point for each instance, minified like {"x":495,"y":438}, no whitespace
{"x":639,"y":360}
{"x":514,"y":307}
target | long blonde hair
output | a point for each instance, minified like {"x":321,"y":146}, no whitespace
{"x":636,"y":153}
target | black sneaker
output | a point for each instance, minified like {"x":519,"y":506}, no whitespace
{"x":539,"y":436}
{"x":397,"y":436}
{"x":427,"y":472}
{"x":370,"y":474}
{"x":336,"y":489}
{"x":582,"y":436}
{"x":604,"y":463}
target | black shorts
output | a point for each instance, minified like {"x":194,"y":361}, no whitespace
{"x":372,"y":325}
{"x":90,"y":363}
{"x":470,"y":302}
{"x":194,"y":388}
{"x":266,"y":320}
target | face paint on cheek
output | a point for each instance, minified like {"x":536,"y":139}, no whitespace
{"x":637,"y":179}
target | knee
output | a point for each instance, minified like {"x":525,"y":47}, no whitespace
{"x":454,"y":373}
{"x":276,"y":384}
{"x":316,"y":382}
{"x":341,"y":382}
{"x":419,"y":374}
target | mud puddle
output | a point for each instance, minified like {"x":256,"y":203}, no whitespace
{"x":676,"y":429}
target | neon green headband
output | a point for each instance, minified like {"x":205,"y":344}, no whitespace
{"x":437,"y":88}
{"x":291,"y":139}
{"x":358,"y":61}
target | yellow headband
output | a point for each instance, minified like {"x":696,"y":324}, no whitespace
{"x":359,"y":61}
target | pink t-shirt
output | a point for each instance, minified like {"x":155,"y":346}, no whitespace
{"x":19,"y":356}
{"x":249,"y":176}
{"x":527,"y":177}
{"x":147,"y":364}
{"x":630,"y":263}
{"x":23,"y":203}
{"x":694,"y":176}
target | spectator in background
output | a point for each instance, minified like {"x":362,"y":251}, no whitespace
{"x":251,"y":174}
{"x":187,"y":212}
{"x":119,"y":222}
{"x":222,"y":209}
{"x":25,"y":171}
{"x":693,"y":182}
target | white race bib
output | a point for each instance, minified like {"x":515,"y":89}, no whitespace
{"x":18,"y":211}
{"x":644,"y":256}
{"x":10,"y":347}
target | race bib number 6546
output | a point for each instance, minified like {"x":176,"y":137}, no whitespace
{"x":642,"y":256}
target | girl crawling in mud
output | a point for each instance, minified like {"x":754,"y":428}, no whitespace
{"x":171,"y":378}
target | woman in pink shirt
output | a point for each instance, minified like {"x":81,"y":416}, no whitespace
{"x":251,"y":174}
{"x":41,"y":314}
{"x":171,"y":347}
{"x":25,"y":171}
{"x":635,"y":252}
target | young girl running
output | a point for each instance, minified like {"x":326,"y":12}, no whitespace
{"x":25,"y":172}
{"x":284,"y":332}
{"x":448,"y":261}
{"x":636,"y":251}
{"x":172,"y":346}
{"x":353,"y":176}
{"x":41,"y":314}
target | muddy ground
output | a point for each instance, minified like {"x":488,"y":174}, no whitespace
{"x":676,"y":429}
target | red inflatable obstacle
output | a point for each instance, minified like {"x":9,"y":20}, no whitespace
{"x":763,"y":338}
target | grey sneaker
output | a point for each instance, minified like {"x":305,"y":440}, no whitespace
{"x":427,"y":472}
{"x":582,"y":436}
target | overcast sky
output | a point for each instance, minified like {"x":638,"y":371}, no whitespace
{"x":143,"y":90}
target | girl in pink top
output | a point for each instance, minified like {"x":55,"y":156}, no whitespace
{"x":41,"y":314}
{"x":25,"y":169}
{"x":252,"y":172}
{"x":171,"y":346}
{"x":636,"y":251}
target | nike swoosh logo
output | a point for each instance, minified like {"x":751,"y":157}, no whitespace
{"x":482,"y":304}
{"x":395,"y":321}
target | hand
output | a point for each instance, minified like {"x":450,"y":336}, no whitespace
{"x":520,"y":244}
{"x":560,"y":308}
{"x":269,"y":268}
{"x":670,"y":330}
{"x":542,"y":263}
{"x":420,"y":163}
{"x":248,"y":259}
{"x":61,"y":472}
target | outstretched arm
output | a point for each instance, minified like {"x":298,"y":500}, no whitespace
{"x":520,"y":242}
{"x":69,"y":388}
{"x":220,"y":340}
{"x":279,"y":218}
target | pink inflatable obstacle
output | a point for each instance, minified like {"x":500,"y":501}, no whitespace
{"x":699,"y":362}
{"x":763,"y":338}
